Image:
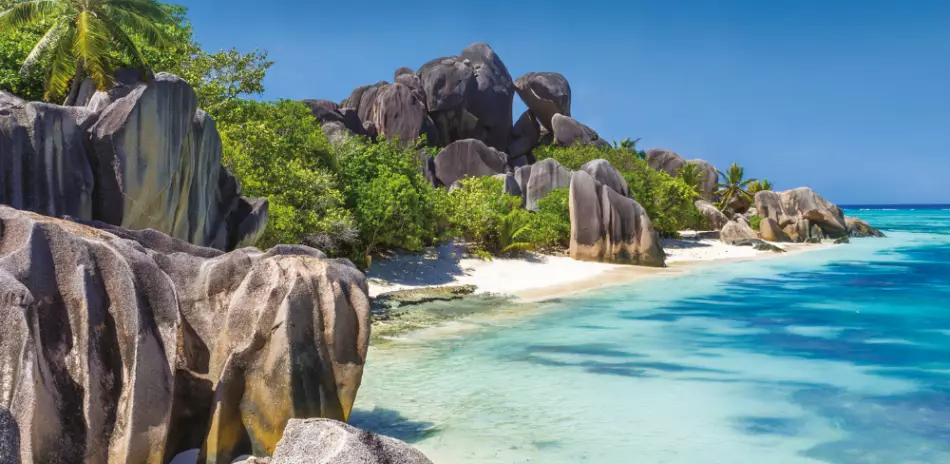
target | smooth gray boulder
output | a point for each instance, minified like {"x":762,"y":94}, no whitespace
{"x":448,"y":84}
{"x":546,"y":176}
{"x":524,"y":135}
{"x":310,"y":441}
{"x":522,"y":177}
{"x":181,"y":346}
{"x":545,"y":94}
{"x":710,"y":178}
{"x":609,"y":227}
{"x":605,"y":173}
{"x":769,"y":230}
{"x":509,"y":184}
{"x":324,"y":110}
{"x":490,"y":102}
{"x":735,"y":231}
{"x":665,"y":160}
{"x":793,"y":206}
{"x":715,"y":220}
{"x":398,"y":113}
{"x":858,"y":228}
{"x":568,"y":132}
{"x":468,"y":158}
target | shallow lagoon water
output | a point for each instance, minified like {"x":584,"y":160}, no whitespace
{"x":834,"y":356}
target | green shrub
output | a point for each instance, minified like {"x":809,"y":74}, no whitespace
{"x":668,"y":200}
{"x":755,"y":222}
{"x":479,"y":211}
{"x":551,"y":224}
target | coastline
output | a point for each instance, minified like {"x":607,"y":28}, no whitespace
{"x":535,"y":278}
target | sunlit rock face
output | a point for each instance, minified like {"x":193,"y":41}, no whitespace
{"x":140,"y":156}
{"x":132,"y":346}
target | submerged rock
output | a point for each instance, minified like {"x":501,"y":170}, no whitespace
{"x":182,"y":346}
{"x":327,"y":441}
{"x":415,"y":296}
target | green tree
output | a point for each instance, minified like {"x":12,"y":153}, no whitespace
{"x":759,"y":186}
{"x":80,"y":36}
{"x":733,"y":185}
{"x":692,"y":176}
{"x":551,"y":224}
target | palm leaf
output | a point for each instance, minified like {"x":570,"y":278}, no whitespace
{"x":149,"y":9}
{"x":49,"y":42}
{"x":26,"y":13}
{"x":91,"y":46}
{"x":62,"y":64}
{"x":133,"y":22}
{"x":127,"y":46}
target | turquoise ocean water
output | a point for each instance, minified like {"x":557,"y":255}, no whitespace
{"x":833,"y":356}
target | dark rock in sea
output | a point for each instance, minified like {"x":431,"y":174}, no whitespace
{"x":330,"y":441}
{"x":842,"y":240}
{"x":760,"y":245}
{"x":468,"y":158}
{"x":181,"y":345}
{"x":416,"y":296}
{"x":545,"y":176}
{"x":609,"y":227}
{"x":802,"y":204}
{"x":568,"y":132}
{"x":545,"y":94}
{"x":858,"y":228}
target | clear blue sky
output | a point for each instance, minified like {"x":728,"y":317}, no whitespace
{"x":851,"y":98}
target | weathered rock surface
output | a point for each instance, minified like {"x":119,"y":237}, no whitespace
{"x":605,"y":173}
{"x":362,"y":99}
{"x":607,"y":226}
{"x":707,"y":187}
{"x":665,"y":160}
{"x":793,"y":206}
{"x":770,"y":230}
{"x":524,"y":135}
{"x":448,"y":84}
{"x":468,"y":158}
{"x":312,"y":441}
{"x":150,"y":159}
{"x":858,"y":228}
{"x":132,"y":346}
{"x":545,"y":94}
{"x":735,"y":231}
{"x":545,"y":176}
{"x":490,"y":101}
{"x":399,"y":113}
{"x":510,"y":185}
{"x":9,"y":438}
{"x":715,"y":220}
{"x":568,"y":132}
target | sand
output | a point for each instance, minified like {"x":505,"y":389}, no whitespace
{"x":535,"y":277}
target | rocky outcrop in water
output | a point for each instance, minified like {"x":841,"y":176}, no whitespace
{"x":146,"y":157}
{"x":797,"y":211}
{"x":610,"y":227}
{"x":859,"y":228}
{"x":131,"y":346}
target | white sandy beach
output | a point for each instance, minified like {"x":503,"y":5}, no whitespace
{"x":537,"y":277}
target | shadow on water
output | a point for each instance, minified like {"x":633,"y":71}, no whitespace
{"x":392,"y":423}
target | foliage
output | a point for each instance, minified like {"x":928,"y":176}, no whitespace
{"x":759,"y":186}
{"x":733,"y":185}
{"x":479,"y":211}
{"x":692,"y":176}
{"x":755,"y":221}
{"x":393,"y":204}
{"x":551,"y":224}
{"x":668,"y":200}
{"x":81,"y":37}
{"x":278,"y":152}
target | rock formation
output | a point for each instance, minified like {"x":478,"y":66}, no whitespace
{"x":545,"y":94}
{"x":665,"y":160}
{"x":329,"y":441}
{"x":524,"y":135}
{"x":468,"y":158}
{"x":490,"y":101}
{"x":707,"y":187}
{"x":149,"y":159}
{"x":605,"y":173}
{"x":131,"y":346}
{"x":567,"y":132}
{"x":737,"y":230}
{"x":545,"y":176}
{"x":858,"y":228}
{"x":607,"y":226}
{"x":715,"y":220}
{"x":399,"y":113}
{"x":770,"y":230}
{"x":795,"y":211}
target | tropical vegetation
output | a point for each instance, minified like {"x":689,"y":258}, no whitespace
{"x":733,"y":186}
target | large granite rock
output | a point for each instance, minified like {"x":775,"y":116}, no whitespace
{"x":793,"y":206}
{"x":610,"y":227}
{"x":545,"y":176}
{"x":545,"y":94}
{"x":605,"y":173}
{"x":149,"y":159}
{"x":707,"y":187}
{"x":665,"y":160}
{"x":468,"y":158}
{"x":735,"y":231}
{"x":362,"y":100}
{"x":859,"y":228}
{"x":490,"y":101}
{"x":448,"y":84}
{"x":399,"y":113}
{"x":715,"y":220}
{"x":524,"y":135}
{"x":568,"y":132}
{"x":9,"y":438}
{"x":132,"y":346}
{"x":327,"y":441}
{"x":770,"y":230}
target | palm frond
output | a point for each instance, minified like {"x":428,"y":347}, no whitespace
{"x":149,"y":9}
{"x":26,"y":13}
{"x":518,"y":246}
{"x":135,"y":23}
{"x":62,"y":64}
{"x":125,"y":44}
{"x":91,"y":46}
{"x":49,"y":42}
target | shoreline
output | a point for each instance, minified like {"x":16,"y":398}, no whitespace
{"x":535,"y":278}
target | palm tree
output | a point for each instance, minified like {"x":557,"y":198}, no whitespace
{"x":80,"y":36}
{"x":513,"y":233}
{"x":693,"y":177}
{"x":759,"y":186}
{"x":733,"y":186}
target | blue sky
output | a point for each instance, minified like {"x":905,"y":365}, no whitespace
{"x":851,"y":98}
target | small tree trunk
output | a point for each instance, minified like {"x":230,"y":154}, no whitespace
{"x":77,"y":83}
